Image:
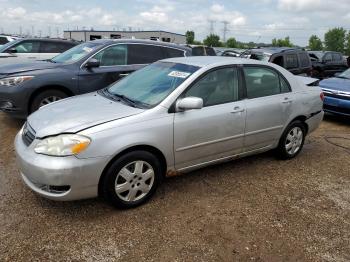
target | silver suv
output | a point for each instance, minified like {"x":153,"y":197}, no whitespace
{"x":174,"y":115}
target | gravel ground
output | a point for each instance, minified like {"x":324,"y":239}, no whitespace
{"x":257,"y":209}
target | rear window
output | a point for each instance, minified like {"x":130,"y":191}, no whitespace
{"x":304,"y":60}
{"x":54,"y":47}
{"x":337,"y":57}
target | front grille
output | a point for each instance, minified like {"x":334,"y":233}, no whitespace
{"x":28,"y":134}
{"x":337,"y":109}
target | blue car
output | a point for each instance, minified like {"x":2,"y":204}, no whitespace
{"x":337,"y":94}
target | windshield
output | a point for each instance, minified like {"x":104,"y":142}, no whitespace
{"x":151,"y":84}
{"x":75,"y":53}
{"x":7,"y":45}
{"x":345,"y":74}
{"x":260,"y":56}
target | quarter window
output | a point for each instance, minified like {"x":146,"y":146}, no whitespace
{"x":114,"y":55}
{"x":291,"y":61}
{"x":217,"y":87}
{"x":304,"y":59}
{"x":262,"y":82}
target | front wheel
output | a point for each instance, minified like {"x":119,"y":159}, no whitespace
{"x":292,"y":140}
{"x":132,"y":179}
{"x":46,"y":97}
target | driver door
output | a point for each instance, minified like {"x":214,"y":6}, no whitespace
{"x":217,"y":130}
{"x":113,"y":66}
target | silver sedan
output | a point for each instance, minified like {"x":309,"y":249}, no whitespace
{"x":175,"y":115}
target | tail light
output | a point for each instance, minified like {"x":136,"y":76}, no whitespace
{"x":322,"y":96}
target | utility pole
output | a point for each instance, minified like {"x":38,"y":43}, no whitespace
{"x":20,"y":30}
{"x":225,"y":30}
{"x":212,"y":23}
{"x":33,"y":31}
{"x":49,"y":31}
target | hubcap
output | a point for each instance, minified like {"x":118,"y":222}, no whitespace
{"x":294,"y":140}
{"x":49,"y":100}
{"x":134,"y":181}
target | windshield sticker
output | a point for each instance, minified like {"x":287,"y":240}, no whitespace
{"x":179,"y":74}
{"x":87,"y":49}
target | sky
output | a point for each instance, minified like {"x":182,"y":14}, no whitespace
{"x":249,"y":20}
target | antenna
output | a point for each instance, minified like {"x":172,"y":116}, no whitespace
{"x":225,"y":30}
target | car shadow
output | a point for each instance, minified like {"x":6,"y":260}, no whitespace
{"x":337,"y":119}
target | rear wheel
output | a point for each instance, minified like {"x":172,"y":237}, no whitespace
{"x":132,"y":179}
{"x":292,"y":140}
{"x":46,"y":97}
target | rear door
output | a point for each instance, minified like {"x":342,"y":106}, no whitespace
{"x":49,"y":49}
{"x":269,"y":104}
{"x":216,"y":131}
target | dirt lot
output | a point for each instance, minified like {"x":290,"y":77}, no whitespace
{"x":256,"y":209}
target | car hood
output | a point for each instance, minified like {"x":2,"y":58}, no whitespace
{"x":25,"y":67}
{"x":336,"y":83}
{"x":74,"y":114}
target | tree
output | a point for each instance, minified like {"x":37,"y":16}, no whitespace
{"x":232,"y":43}
{"x":334,"y":39}
{"x":315,"y":43}
{"x":347,"y":44}
{"x":212,"y":40}
{"x":189,"y":37}
{"x":282,"y":42}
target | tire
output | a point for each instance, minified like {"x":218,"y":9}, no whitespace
{"x":292,"y":140}
{"x":134,"y":187}
{"x":46,"y":97}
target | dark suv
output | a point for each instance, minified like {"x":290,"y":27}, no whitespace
{"x":295,"y":60}
{"x":327,"y":63}
{"x":84,"y":68}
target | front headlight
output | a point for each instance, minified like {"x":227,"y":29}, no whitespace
{"x":62,"y":145}
{"x":13,"y":81}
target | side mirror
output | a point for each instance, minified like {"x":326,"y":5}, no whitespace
{"x":12,"y":50}
{"x":92,"y":63}
{"x":189,"y":103}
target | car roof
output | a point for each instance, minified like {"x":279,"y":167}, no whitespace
{"x":47,"y":39}
{"x":138,"y":41}
{"x":203,"y":61}
{"x":273,"y":50}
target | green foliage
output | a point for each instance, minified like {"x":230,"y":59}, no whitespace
{"x":315,"y":43}
{"x":282,"y":42}
{"x":347,"y":44}
{"x":189,"y":37}
{"x":212,"y":40}
{"x":334,"y":39}
{"x":232,"y":43}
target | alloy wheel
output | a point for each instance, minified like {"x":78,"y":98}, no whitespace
{"x":294,"y":140}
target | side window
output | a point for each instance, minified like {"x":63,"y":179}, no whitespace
{"x":278,"y":60}
{"x":3,"y":40}
{"x":217,"y":87}
{"x":171,"y":52}
{"x":261,"y":82}
{"x":50,"y":47}
{"x":328,"y":57}
{"x":336,"y":57}
{"x":113,"y":55}
{"x":144,"y":54}
{"x":210,"y":51}
{"x":285,"y":87}
{"x":304,"y":60}
{"x":28,"y":47}
{"x":292,"y":61}
{"x":198,"y":51}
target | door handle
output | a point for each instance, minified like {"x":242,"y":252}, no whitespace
{"x":237,"y":109}
{"x":124,"y":74}
{"x":287,"y":100}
